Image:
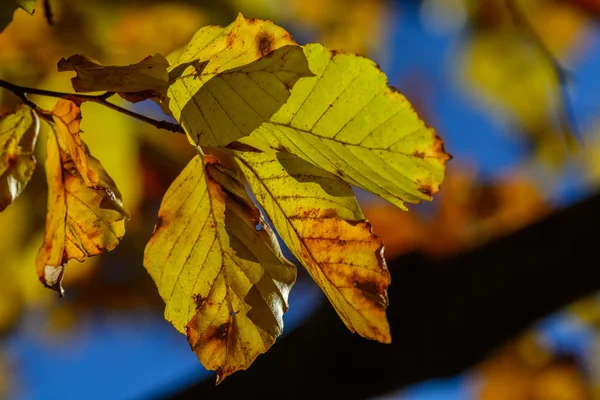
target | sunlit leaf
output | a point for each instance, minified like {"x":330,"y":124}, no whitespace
{"x":320,"y":221}
{"x":225,"y":282}
{"x":230,"y":80}
{"x":145,"y":79}
{"x":18,"y":134}
{"x":85,"y":217}
{"x":348,"y":121}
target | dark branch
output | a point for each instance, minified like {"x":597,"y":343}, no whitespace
{"x":568,"y":124}
{"x":22,"y":93}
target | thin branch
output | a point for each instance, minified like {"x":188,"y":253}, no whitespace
{"x":567,"y":120}
{"x":22,"y":93}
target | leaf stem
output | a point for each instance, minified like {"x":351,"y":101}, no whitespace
{"x":22,"y":92}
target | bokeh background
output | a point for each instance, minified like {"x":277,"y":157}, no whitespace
{"x":513,"y":88}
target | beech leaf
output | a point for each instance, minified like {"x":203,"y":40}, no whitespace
{"x":85,"y":216}
{"x":18,"y":134}
{"x":348,"y":121}
{"x":228,"y":81}
{"x":143,"y":80}
{"x":225,"y":283}
{"x":318,"y":218}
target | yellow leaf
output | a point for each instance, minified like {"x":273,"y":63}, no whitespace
{"x":348,"y":121}
{"x":85,"y":217}
{"x":18,"y":134}
{"x":230,"y":80}
{"x":320,"y":221}
{"x":148,"y":77}
{"x":224,"y":282}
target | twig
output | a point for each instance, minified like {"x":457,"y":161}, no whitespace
{"x":567,"y":120}
{"x":22,"y":93}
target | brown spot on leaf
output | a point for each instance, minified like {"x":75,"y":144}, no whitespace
{"x":212,"y":172}
{"x":198,"y":301}
{"x":223,"y":331}
{"x":426,"y":190}
{"x":160,"y":222}
{"x":318,"y":213}
{"x":231,"y":39}
{"x":373,"y":292}
{"x":210,"y":159}
{"x":419,"y":154}
{"x":265,"y":44}
{"x":440,"y":149}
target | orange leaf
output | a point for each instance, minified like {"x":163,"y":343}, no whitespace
{"x":85,"y":215}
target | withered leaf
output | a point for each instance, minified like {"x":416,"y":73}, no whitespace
{"x":85,"y":216}
{"x":143,"y":80}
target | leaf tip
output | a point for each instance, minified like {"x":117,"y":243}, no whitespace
{"x":220,"y":378}
{"x":52,"y":278}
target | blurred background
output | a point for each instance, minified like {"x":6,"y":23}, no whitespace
{"x":513,"y":88}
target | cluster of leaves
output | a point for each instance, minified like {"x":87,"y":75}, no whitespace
{"x":297,"y":125}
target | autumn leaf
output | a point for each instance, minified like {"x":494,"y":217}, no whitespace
{"x":230,"y":80}
{"x":85,"y":215}
{"x":18,"y":134}
{"x":320,"y":221}
{"x":348,"y":121}
{"x":143,"y":80}
{"x":225,"y":282}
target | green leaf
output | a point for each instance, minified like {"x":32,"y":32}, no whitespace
{"x":225,"y":283}
{"x":348,"y":121}
{"x":230,"y":80}
{"x":18,"y":134}
{"x":320,"y":221}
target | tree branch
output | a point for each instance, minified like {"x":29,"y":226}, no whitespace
{"x":566,"y":118}
{"x":22,"y":93}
